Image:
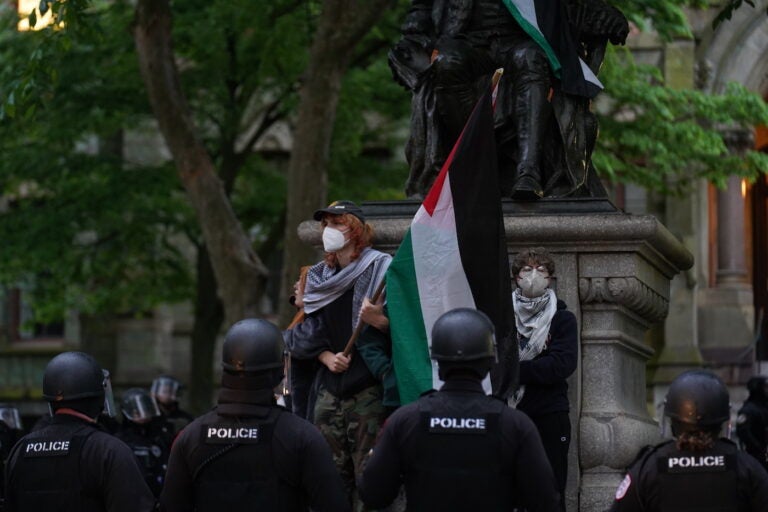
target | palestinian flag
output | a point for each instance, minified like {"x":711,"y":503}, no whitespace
{"x":454,"y":255}
{"x":546,"y":22}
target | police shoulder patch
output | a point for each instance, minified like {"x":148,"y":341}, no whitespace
{"x":623,"y":487}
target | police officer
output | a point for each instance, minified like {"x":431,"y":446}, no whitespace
{"x":752,"y":420}
{"x":166,"y":391}
{"x":248,"y":453}
{"x":72,"y":464}
{"x":697,"y":470}
{"x":10,"y":432}
{"x":458,"y":449}
{"x":147,"y":434}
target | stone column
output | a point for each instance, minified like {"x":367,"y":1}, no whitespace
{"x":726,"y":311}
{"x":731,"y":244}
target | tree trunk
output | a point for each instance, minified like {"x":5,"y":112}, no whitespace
{"x":209,"y":315}
{"x":239,"y":272}
{"x":342,"y":25}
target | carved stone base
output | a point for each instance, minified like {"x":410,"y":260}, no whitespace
{"x":613,"y":270}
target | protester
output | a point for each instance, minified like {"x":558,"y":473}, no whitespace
{"x":752,"y":420}
{"x":72,"y":465}
{"x":147,"y":434}
{"x":548,"y":338}
{"x":345,"y":398}
{"x":697,"y":470}
{"x":248,"y":453}
{"x":458,"y":449}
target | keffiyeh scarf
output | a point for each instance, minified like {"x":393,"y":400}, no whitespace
{"x":326,"y":284}
{"x":533,"y":317}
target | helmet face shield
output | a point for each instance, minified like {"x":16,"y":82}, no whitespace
{"x":165,"y":390}
{"x":109,"y":397}
{"x":139,"y":406}
{"x":10,"y":416}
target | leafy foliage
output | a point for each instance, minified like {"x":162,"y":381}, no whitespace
{"x":98,"y":232}
{"x":663,"y":138}
{"x":101,"y":233}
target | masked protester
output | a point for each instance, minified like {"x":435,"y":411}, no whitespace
{"x":548,"y":339}
{"x":752,"y":420}
{"x":248,"y":453}
{"x":72,"y":464}
{"x":346,"y":398}
{"x":166,"y":391}
{"x":697,"y":470}
{"x":148,"y":434}
{"x":458,"y":449}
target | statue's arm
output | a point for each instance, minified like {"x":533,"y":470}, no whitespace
{"x":409,"y":59}
{"x":597,"y":21}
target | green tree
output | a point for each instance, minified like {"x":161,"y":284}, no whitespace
{"x":100,"y":231}
{"x":238,"y":76}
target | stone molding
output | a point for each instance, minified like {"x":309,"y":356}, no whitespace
{"x":629,"y":292}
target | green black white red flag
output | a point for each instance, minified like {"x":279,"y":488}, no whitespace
{"x":454,"y":255}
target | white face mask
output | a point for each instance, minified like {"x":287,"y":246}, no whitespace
{"x":333,"y":239}
{"x":533,"y":283}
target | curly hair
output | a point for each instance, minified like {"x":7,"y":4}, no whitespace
{"x":696,"y":440}
{"x":534,"y":257}
{"x":360,"y":236}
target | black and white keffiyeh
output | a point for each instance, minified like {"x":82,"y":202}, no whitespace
{"x":326,"y":284}
{"x":533,"y":317}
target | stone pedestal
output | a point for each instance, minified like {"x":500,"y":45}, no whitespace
{"x":614,"y":271}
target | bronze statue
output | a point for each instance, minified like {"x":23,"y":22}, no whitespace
{"x":550,"y":51}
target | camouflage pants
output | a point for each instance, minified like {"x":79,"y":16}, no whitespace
{"x":350,"y":426}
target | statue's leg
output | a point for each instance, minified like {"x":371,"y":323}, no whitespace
{"x":457,"y":69}
{"x":528,"y":82}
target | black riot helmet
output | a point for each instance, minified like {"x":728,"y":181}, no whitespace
{"x":73,"y":376}
{"x":463,"y":338}
{"x":252,"y":345}
{"x":697,"y":400}
{"x":9,"y":416}
{"x":139,"y":406}
{"x":166,"y":390}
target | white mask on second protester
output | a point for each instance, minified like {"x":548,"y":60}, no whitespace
{"x":333,"y":239}
{"x":533,"y":283}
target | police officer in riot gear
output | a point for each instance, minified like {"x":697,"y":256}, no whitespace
{"x":147,"y":434}
{"x":248,"y":453}
{"x":458,"y":449}
{"x":697,"y":470}
{"x":72,"y":464}
{"x":10,"y":432}
{"x":166,"y":391}
{"x":752,"y":420}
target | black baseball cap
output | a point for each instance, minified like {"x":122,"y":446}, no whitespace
{"x":340,"y":208}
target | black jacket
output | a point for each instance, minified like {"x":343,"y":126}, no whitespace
{"x":752,"y":429}
{"x":695,"y":479}
{"x":297,"y":457}
{"x":329,"y":329}
{"x":452,"y":469}
{"x":97,"y":472}
{"x":546,"y":388}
